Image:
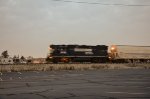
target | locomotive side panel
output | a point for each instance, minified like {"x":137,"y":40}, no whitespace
{"x":78,"y":53}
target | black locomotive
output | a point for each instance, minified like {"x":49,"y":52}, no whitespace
{"x":78,"y":53}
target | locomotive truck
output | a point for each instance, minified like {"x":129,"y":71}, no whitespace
{"x":78,"y":53}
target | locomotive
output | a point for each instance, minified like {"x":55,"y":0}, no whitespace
{"x":78,"y":53}
{"x":98,"y":54}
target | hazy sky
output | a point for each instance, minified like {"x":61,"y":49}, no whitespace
{"x":28,"y":27}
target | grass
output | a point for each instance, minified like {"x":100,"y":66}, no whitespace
{"x":51,"y":67}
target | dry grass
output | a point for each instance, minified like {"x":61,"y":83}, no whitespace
{"x":50,"y":67}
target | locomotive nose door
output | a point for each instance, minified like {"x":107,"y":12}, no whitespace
{"x":113,"y":51}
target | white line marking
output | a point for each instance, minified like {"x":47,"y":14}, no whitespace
{"x":19,"y":73}
{"x":19,"y":77}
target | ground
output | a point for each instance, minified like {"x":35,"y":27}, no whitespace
{"x":88,"y":84}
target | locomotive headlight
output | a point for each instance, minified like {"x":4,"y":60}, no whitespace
{"x":112,"y":48}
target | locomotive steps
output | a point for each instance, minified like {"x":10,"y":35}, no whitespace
{"x":51,"y":67}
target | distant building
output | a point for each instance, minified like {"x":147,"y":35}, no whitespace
{"x":16,"y":59}
{"x":29,"y":59}
{"x":6,"y":60}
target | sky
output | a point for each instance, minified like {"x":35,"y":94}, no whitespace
{"x":28,"y":27}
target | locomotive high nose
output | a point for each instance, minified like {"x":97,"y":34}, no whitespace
{"x":113,"y":48}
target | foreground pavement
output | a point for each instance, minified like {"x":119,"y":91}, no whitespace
{"x":94,"y":84}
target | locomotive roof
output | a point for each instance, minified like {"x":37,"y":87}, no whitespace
{"x":81,"y":46}
{"x":76,"y":45}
